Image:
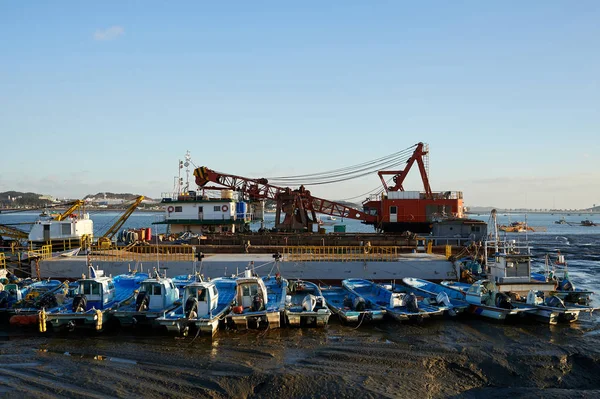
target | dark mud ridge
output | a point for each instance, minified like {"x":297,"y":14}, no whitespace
{"x":449,"y":358}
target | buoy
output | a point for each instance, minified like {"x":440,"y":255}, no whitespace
{"x":238,"y":309}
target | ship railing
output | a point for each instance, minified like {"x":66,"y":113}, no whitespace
{"x":143,"y":253}
{"x":340,"y":253}
{"x":45,"y":252}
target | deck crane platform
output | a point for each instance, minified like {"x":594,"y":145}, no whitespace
{"x":107,"y":238}
{"x":393,"y":210}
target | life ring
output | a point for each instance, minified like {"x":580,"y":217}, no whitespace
{"x":224,"y":208}
{"x":170,"y":209}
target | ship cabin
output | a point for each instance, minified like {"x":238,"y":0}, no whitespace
{"x":251,"y":293}
{"x":201,"y":214}
{"x":47,"y":229}
{"x":508,"y":262}
{"x":205,"y":294}
{"x":161,"y":293}
{"x":458,"y":231}
{"x":399,"y":211}
{"x":99,"y":292}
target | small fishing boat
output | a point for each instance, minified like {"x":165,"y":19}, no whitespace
{"x":399,"y":305}
{"x":350,"y":307}
{"x":551,"y":309}
{"x":305,"y":305}
{"x":588,"y":223}
{"x":12,"y":292}
{"x":487,"y":301}
{"x":258,"y":302}
{"x":456,"y":300}
{"x":156,"y":295}
{"x":204,"y":305}
{"x":49,"y":295}
{"x":557,"y":271}
{"x":96,"y":297}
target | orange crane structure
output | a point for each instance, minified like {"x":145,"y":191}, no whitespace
{"x":391,"y":210}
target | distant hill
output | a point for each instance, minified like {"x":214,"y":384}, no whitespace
{"x":17,"y":199}
{"x":121,"y":196}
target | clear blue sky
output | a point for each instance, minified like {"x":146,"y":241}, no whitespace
{"x":108,"y":95}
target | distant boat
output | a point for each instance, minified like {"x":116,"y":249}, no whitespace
{"x":561,"y":221}
{"x":331,"y":218}
{"x":588,"y":223}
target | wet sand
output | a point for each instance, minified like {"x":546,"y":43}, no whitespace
{"x":445,"y":358}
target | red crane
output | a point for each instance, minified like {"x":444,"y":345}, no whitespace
{"x":418,"y":156}
{"x":299,"y":206}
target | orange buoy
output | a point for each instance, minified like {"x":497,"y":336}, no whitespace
{"x":238,"y":309}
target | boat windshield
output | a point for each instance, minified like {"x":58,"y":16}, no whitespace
{"x":89,"y":288}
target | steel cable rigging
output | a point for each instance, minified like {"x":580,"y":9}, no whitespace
{"x":346,"y":173}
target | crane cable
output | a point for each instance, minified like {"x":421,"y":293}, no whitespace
{"x":408,"y":150}
{"x":349,"y":175}
{"x":349,"y":172}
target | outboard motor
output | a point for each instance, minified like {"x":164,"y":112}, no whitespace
{"x":257,"y":303}
{"x":142,"y":302}
{"x":503,"y":301}
{"x":554,"y":302}
{"x":309,"y":302}
{"x":533,"y":298}
{"x":566,"y":285}
{"x":359,"y":304}
{"x":411,"y":303}
{"x":79,"y":303}
{"x":191,"y":307}
{"x":442,"y":299}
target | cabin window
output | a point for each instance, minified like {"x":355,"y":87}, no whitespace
{"x":216,"y":208}
{"x":214,"y":291}
{"x":225,"y":229}
{"x":157,"y":290}
{"x":90,"y":288}
{"x":202,"y":295}
{"x":393,"y":210}
{"x":111,"y":286}
{"x":66,"y":229}
{"x":200,"y":209}
{"x":249,"y":290}
{"x":476,"y":229}
{"x":178,"y":209}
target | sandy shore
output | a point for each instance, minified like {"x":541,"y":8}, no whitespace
{"x":464,"y":358}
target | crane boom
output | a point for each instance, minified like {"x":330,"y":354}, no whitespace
{"x":400,"y":175}
{"x":258,"y":189}
{"x":110,"y":233}
{"x":74,"y":206}
{"x":12,"y":232}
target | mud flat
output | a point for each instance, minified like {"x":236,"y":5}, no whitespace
{"x":462,"y":358}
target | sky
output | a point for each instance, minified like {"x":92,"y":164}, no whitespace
{"x":109,"y":95}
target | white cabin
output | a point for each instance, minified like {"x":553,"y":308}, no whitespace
{"x":47,"y":229}
{"x":508,"y":262}
{"x":188,"y":212}
{"x":206,"y":294}
{"x":247,"y":289}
